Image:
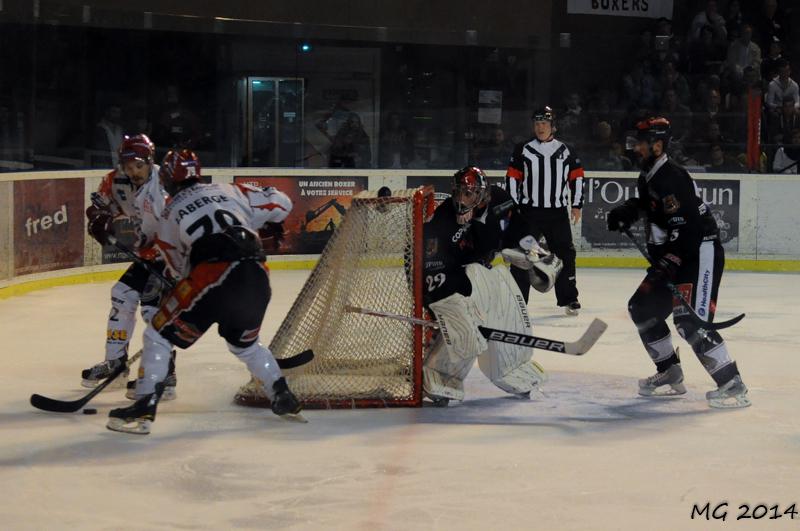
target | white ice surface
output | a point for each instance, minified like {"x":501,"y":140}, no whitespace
{"x":589,"y":455}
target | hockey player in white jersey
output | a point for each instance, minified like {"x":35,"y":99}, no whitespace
{"x":132,"y":191}
{"x":208,"y":236}
{"x":464,"y":291}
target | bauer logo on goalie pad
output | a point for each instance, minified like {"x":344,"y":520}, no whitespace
{"x":514,"y":339}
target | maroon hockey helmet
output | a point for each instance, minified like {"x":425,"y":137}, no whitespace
{"x":470,"y":188}
{"x":179,"y":167}
{"x":136,"y":147}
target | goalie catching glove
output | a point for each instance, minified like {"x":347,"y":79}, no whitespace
{"x":543,"y":267}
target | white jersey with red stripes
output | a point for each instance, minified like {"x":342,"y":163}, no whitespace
{"x":119,"y":192}
{"x":204,"y":209}
{"x":149,"y":204}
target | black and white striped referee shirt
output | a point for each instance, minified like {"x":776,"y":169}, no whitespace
{"x":540,"y":173}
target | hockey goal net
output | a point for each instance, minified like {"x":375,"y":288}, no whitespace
{"x":373,"y":260}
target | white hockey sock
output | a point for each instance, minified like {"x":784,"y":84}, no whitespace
{"x":121,"y":320}
{"x":154,"y":367}
{"x":261,"y":362}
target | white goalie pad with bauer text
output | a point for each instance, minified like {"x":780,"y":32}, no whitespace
{"x":495,"y":302}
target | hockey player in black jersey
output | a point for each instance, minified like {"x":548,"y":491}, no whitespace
{"x":463,"y":291}
{"x":683,"y":240}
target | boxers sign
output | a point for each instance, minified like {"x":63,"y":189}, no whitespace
{"x":621,"y":8}
{"x":602,"y":194}
{"x":48,"y":225}
{"x":319,"y":204}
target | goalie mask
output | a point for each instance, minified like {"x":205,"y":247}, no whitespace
{"x":470,"y":189}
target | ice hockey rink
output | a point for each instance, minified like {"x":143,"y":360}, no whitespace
{"x":587,"y":454}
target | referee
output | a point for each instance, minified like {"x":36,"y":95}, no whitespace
{"x":540,"y":173}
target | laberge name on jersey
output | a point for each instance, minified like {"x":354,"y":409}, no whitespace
{"x":198,"y":203}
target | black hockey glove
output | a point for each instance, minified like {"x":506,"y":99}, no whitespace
{"x":100,"y":225}
{"x":273,"y":231}
{"x":623,"y":216}
{"x":667,"y":267}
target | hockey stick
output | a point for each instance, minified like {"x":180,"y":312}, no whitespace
{"x":698,"y":321}
{"x":573,"y":348}
{"x":98,"y":202}
{"x":297,"y":360}
{"x":71,"y":406}
{"x":66,"y":406}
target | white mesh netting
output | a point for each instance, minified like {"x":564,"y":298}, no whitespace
{"x":370,"y":262}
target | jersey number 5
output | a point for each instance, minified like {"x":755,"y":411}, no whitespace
{"x":223,"y":218}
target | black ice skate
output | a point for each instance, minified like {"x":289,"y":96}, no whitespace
{"x":92,"y":376}
{"x":285,"y":404}
{"x":138,"y":417}
{"x":572,"y":308}
{"x":170,"y":382}
{"x":672,"y":377}
{"x":731,"y":395}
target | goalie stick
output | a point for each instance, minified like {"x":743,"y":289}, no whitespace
{"x":70,"y":406}
{"x":696,"y":319}
{"x":573,"y":348}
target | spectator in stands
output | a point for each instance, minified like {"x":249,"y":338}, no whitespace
{"x":781,"y":88}
{"x":769,"y":22}
{"x":782,"y":125}
{"x":678,"y":114}
{"x":787,"y":157}
{"x":604,"y":153}
{"x":709,"y":112}
{"x":177,"y":125}
{"x":721,"y":162}
{"x":639,"y":87}
{"x":771,"y":63}
{"x":395,"y":146}
{"x":709,"y":17}
{"x":743,"y":52}
{"x":672,"y":79}
{"x":495,"y":157}
{"x":706,"y":54}
{"x":573,"y":124}
{"x":350,"y":147}
{"x":108,"y":135}
{"x":734,"y":19}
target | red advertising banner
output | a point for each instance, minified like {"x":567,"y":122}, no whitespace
{"x":319,"y":204}
{"x":48,"y":225}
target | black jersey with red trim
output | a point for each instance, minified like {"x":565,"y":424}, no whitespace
{"x":540,"y":174}
{"x":450,"y":246}
{"x":677,"y":219}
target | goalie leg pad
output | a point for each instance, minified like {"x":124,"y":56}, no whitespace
{"x":459,"y":318}
{"x":443,"y":376}
{"x":508,"y":366}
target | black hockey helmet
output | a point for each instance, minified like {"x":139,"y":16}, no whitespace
{"x":470,"y":188}
{"x":544,"y":114}
{"x":654,"y":128}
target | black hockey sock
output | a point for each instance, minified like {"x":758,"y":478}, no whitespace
{"x":662,"y":366}
{"x":724,"y":375}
